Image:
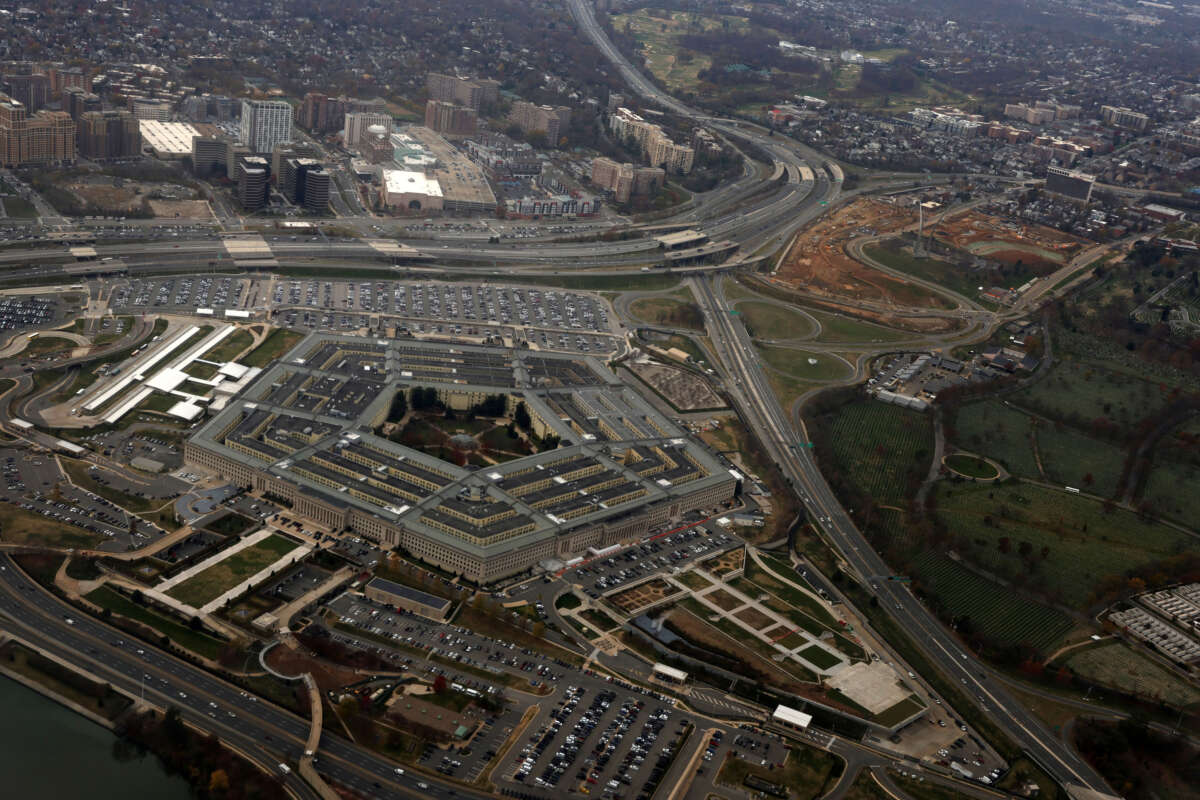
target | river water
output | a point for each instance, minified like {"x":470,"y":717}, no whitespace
{"x":49,"y":751}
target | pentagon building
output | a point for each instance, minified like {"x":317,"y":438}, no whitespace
{"x":302,"y":431}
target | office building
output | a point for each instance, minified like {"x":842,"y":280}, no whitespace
{"x":406,"y":598}
{"x":551,"y":120}
{"x":77,"y":102}
{"x":292,"y":180}
{"x":1070,"y":183}
{"x":357,"y":122}
{"x":152,"y":108}
{"x":208,"y":155}
{"x":234,"y":153}
{"x":1121,"y":117}
{"x":31,"y":90}
{"x":252,"y":182}
{"x":316,"y":190}
{"x":265,"y":123}
{"x":474,"y":93}
{"x":47,"y":137}
{"x":623,"y":469}
{"x":450,"y":118}
{"x":109,"y":134}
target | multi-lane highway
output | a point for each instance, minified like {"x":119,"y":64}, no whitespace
{"x":262,"y":731}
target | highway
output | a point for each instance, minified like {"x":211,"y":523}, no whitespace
{"x":749,"y":386}
{"x":750,"y":389}
{"x":264,"y":732}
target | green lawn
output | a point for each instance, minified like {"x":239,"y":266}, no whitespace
{"x":1073,"y":459}
{"x":19,"y":208}
{"x":818,"y":657}
{"x":1081,"y":393}
{"x":770,"y":321}
{"x":18,"y":526}
{"x":836,"y":328}
{"x":806,"y":774}
{"x":46,"y":344}
{"x":970,"y":466}
{"x":1000,"y":432}
{"x":956,"y":279}
{"x":229,"y":572}
{"x":669,"y":312}
{"x":1115,"y":664}
{"x":199,"y":643}
{"x":796,"y":364}
{"x":231,"y":346}
{"x":1082,"y":544}
{"x":273,"y":347}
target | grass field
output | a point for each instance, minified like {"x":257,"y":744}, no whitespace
{"x":1163,"y":494}
{"x":771,"y":321}
{"x":669,"y":312}
{"x":18,"y":526}
{"x":836,"y":328}
{"x":1084,"y":392}
{"x":199,"y":643}
{"x":993,"y":610}
{"x":796,"y":363}
{"x":233,"y":344}
{"x":47,"y":344}
{"x":1115,"y":664}
{"x":807,"y":773}
{"x":229,"y":572}
{"x":940,"y":272}
{"x":970,"y":466}
{"x":1072,"y":543}
{"x":1072,"y":459}
{"x":877,"y":444}
{"x":818,"y":657}
{"x":19,"y":208}
{"x":1000,"y":432}
{"x":275,"y":345}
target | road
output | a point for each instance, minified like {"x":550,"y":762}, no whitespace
{"x":749,"y":387}
{"x":264,"y":732}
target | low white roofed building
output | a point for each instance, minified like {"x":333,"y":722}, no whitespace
{"x":409,"y":190}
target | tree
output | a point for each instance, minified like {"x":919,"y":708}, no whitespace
{"x":218,"y":781}
{"x":439,"y":684}
{"x":521,"y":417}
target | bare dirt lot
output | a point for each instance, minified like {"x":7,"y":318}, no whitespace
{"x":818,"y":264}
{"x":683,"y":389}
{"x":184,"y":209}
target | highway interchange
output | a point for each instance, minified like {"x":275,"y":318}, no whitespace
{"x":758,"y":219}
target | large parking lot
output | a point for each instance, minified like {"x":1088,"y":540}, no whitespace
{"x":34,"y":483}
{"x":183,"y":295}
{"x":654,"y":555}
{"x":464,"y":303}
{"x":26,"y":311}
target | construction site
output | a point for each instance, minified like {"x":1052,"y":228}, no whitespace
{"x":819,"y":265}
{"x":1006,"y":240}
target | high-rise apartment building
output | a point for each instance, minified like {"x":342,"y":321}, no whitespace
{"x":109,"y":134}
{"x":32,"y":90}
{"x":78,"y":102}
{"x":63,"y":78}
{"x":655,"y":145}
{"x":450,"y":118}
{"x":265,"y":123}
{"x":475,"y":93}
{"x":47,"y":137}
{"x":626,"y":180}
{"x":1121,"y":117}
{"x":357,"y":122}
{"x":552,"y":120}
{"x":321,"y":114}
